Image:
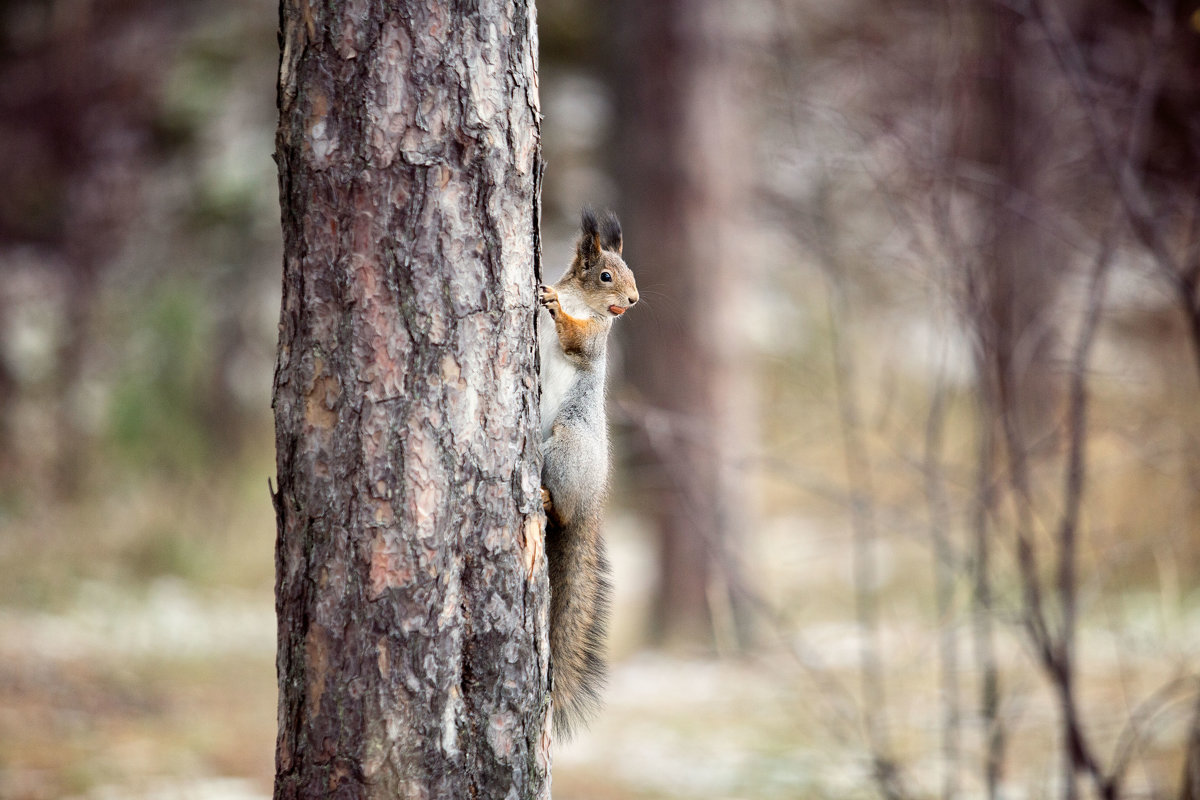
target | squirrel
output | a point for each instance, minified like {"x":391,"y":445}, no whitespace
{"x":597,"y":288}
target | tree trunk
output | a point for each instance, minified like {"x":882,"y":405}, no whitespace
{"x":410,"y":587}
{"x":1012,"y":290}
{"x":683,"y":157}
{"x":1015,"y":282}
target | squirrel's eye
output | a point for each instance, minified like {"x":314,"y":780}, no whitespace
{"x":606,"y":277}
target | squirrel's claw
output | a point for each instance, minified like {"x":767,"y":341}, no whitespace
{"x":548,"y":297}
{"x":546,"y":504}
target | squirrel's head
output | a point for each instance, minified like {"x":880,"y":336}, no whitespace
{"x":607,"y":282}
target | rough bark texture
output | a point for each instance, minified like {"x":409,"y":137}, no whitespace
{"x":410,"y":589}
{"x":683,"y":158}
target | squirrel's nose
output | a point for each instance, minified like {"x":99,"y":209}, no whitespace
{"x":632,"y":299}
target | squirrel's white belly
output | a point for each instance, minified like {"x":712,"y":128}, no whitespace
{"x":557,"y":374}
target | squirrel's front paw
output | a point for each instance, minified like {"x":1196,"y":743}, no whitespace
{"x":547,"y":504}
{"x":548,"y":297}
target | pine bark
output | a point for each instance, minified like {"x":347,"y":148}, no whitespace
{"x":410,"y":587}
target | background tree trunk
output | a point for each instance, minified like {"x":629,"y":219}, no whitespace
{"x":683,"y":159}
{"x":410,"y":591}
{"x":999,"y":145}
{"x":1003,"y":132}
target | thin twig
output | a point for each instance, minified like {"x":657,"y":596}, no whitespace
{"x":862,"y":520}
{"x":945,"y":582}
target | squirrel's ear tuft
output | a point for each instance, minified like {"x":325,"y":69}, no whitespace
{"x":589,"y":238}
{"x":610,"y":233}
{"x":587,"y":221}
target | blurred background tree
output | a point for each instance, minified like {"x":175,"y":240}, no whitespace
{"x":136,"y":235}
{"x":913,"y":385}
{"x":682,"y":155}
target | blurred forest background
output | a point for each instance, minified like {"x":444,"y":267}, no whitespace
{"x":909,"y":488}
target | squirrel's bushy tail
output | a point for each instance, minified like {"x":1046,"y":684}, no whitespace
{"x":579,"y":609}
